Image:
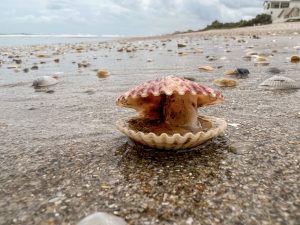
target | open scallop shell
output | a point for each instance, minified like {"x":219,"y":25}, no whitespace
{"x":214,"y":126}
{"x":279,"y":83}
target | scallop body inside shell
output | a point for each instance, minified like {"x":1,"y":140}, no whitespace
{"x":168,"y":116}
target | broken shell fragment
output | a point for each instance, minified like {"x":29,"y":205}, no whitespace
{"x":295,"y":58}
{"x":206,"y":68}
{"x":224,"y":82}
{"x":279,"y":83}
{"x":168,"y":117}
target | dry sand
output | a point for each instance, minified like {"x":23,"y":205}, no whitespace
{"x":62,"y":158}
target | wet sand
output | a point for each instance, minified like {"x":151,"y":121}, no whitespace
{"x":62,"y":157}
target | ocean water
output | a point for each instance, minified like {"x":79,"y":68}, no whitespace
{"x":24,"y":40}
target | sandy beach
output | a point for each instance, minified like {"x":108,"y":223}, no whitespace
{"x":62,"y":157}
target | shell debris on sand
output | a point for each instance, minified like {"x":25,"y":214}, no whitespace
{"x":102,"y":73}
{"x":225,"y":82}
{"x":279,"y":83}
{"x":180,"y":45}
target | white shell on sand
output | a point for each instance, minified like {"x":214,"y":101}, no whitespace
{"x":279,"y":83}
{"x":206,"y":68}
{"x":44,"y":81}
{"x":215,"y":127}
{"x":102,"y":218}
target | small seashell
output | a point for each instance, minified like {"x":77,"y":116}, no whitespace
{"x":102,"y":218}
{"x":279,"y":83}
{"x":102,"y":73}
{"x":295,"y":58}
{"x":224,"y":82}
{"x":44,"y":81}
{"x":206,"y":68}
{"x":230,"y":72}
{"x":260,"y":58}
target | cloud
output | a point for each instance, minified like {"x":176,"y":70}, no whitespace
{"x":129,"y":17}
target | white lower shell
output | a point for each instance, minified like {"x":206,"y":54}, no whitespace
{"x":176,"y":141}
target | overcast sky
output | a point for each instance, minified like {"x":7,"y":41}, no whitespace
{"x":119,"y":17}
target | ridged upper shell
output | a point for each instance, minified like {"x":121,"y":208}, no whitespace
{"x":279,"y":83}
{"x":169,"y":85}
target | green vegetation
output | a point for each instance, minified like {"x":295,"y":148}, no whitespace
{"x":260,"y":19}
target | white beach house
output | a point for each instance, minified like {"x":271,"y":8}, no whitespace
{"x":282,"y":10}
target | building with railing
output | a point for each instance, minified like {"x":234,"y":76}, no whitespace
{"x":282,"y":10}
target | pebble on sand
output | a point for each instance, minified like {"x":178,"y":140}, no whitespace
{"x":274,"y":70}
{"x":83,"y":64}
{"x":180,"y":45}
{"x":34,"y":68}
{"x":102,"y":218}
{"x":242,"y":73}
{"x":295,"y":58}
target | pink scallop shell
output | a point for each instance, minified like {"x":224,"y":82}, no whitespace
{"x":169,"y":85}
